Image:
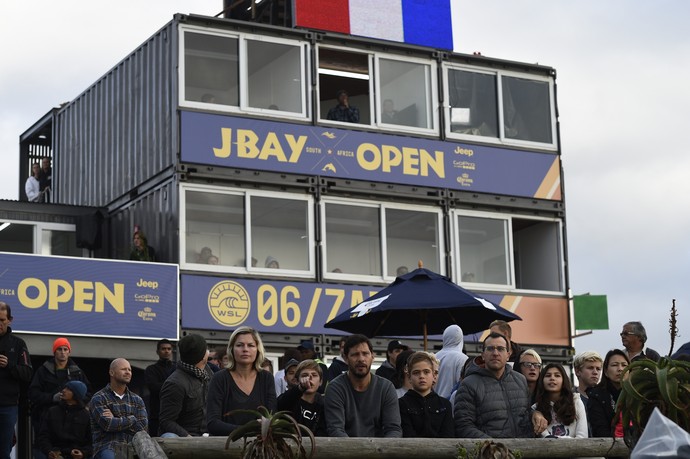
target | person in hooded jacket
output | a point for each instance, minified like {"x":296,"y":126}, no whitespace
{"x":452,"y":360}
{"x":65,"y":429}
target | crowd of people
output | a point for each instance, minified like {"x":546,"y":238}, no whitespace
{"x":412,"y":394}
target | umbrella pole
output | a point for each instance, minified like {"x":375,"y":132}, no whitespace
{"x":425,"y":346}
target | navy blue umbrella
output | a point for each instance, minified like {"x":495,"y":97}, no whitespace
{"x":420,"y":302}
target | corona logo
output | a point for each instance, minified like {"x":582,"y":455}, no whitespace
{"x":229,"y":303}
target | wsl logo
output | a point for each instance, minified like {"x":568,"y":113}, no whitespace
{"x":229,"y":303}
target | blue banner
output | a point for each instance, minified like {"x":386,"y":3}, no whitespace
{"x":89,"y":297}
{"x":269,"y":306}
{"x":228,"y":141}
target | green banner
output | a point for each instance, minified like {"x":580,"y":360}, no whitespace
{"x":591,"y":312}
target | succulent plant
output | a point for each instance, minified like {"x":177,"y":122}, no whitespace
{"x":269,"y":436}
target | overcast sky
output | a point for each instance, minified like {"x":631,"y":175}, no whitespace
{"x":623,"y":96}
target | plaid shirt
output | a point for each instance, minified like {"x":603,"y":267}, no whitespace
{"x":129,"y":417}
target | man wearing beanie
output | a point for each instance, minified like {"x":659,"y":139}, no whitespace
{"x":49,"y":380}
{"x":117,"y":413}
{"x":65,"y":428}
{"x":183,"y":396}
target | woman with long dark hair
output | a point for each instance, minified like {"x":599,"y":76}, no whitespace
{"x":556,"y":401}
{"x":603,"y":396}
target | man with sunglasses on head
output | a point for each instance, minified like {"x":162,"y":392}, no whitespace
{"x":493,"y":401}
{"x":634,"y":337}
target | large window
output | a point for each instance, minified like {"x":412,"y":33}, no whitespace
{"x":405,"y":93}
{"x":211,"y":69}
{"x":40,"y":238}
{"x":240,"y":231}
{"x":506,"y":252}
{"x":405,"y":89}
{"x":500,"y":107}
{"x":237,"y":72}
{"x":341,"y":70}
{"x":274,"y":76}
{"x":526,"y":110}
{"x":483,"y":245}
{"x":374,"y":242}
{"x":473,"y":106}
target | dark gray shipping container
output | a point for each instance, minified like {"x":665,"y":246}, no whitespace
{"x":121,"y":133}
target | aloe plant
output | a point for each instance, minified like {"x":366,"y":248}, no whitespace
{"x":648,"y":384}
{"x":270,"y":433}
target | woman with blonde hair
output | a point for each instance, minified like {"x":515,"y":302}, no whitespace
{"x":242,"y":385}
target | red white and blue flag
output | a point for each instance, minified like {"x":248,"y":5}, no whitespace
{"x":418,"y":22}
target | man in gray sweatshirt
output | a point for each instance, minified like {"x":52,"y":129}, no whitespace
{"x":359,"y":403}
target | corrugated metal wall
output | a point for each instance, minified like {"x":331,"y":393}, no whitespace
{"x":156,"y":214}
{"x":122,"y":130}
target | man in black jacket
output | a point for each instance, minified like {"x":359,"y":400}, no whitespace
{"x":155,"y":376}
{"x":184,"y":393}
{"x":15,"y":370}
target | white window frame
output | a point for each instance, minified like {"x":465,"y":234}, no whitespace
{"x":244,"y":84}
{"x":243,"y":107}
{"x":431,"y":76}
{"x":511,"y":286}
{"x":500,"y":139}
{"x":37,"y":235}
{"x":321,"y":117}
{"x":455,"y":213}
{"x":383,"y":277}
{"x":246,"y":194}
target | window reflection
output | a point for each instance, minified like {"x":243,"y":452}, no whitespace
{"x":484,"y":256}
{"x":280,"y":233}
{"x":215,"y":228}
{"x":411,"y":236}
{"x":16,"y":238}
{"x":405,"y":90}
{"x":473,"y":103}
{"x":60,"y":243}
{"x":211,"y":69}
{"x":274,"y":77}
{"x":526,"y":109}
{"x":353,"y":239}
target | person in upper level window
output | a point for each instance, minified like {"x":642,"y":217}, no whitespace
{"x":33,"y":184}
{"x":141,"y":250}
{"x":343,"y":111}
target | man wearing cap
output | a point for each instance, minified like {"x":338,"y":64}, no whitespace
{"x":343,"y":111}
{"x":65,"y":431}
{"x":116,"y":412}
{"x":306,"y":347}
{"x":154,"y":376}
{"x":50,"y":378}
{"x":15,"y":374}
{"x":387,"y":369}
{"x":183,"y":395}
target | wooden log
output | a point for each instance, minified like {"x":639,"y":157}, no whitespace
{"x":147,"y":448}
{"x":405,"y":448}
